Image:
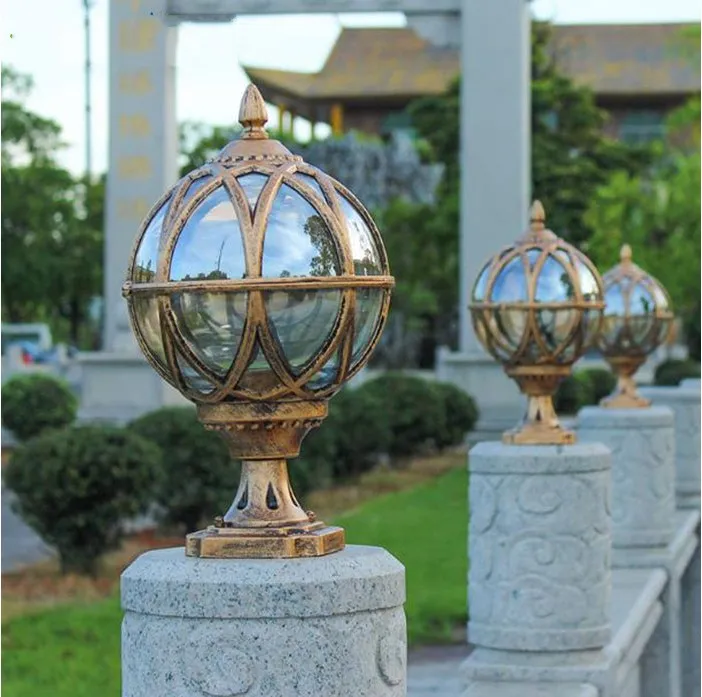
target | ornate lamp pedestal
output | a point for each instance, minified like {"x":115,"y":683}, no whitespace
{"x":257,"y":287}
{"x":539,"y":586}
{"x":685,"y":404}
{"x":332,"y":626}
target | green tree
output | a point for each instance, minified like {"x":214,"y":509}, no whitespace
{"x":51,"y":222}
{"x":657,"y":211}
{"x":658,"y":214}
{"x":571,"y":157}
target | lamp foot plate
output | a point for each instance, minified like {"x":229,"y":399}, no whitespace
{"x":535,"y":435}
{"x":307,"y":540}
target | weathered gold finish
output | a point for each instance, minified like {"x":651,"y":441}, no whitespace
{"x":637,"y":320}
{"x":536,"y":307}
{"x":244,"y":382}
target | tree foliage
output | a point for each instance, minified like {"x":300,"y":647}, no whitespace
{"x":658,"y":213}
{"x":51,"y":222}
{"x":570,"y":158}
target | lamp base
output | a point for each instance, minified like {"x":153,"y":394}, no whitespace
{"x":539,"y":434}
{"x":314,"y":539}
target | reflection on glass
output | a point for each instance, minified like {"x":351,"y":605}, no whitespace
{"x":196,"y":185}
{"x":298,"y":242}
{"x":588,"y":283}
{"x":614,"y":301}
{"x":555,"y":326}
{"x":209,"y":246}
{"x":302,"y":321}
{"x":326,"y":376}
{"x":665,"y":327}
{"x":660,"y":297}
{"x":312,"y":183}
{"x":259,"y":375}
{"x":369,"y":302}
{"x":640,"y":328}
{"x":479,"y":287}
{"x":533,"y":255}
{"x":192,"y":378}
{"x":252,"y":184}
{"x":510,"y":284}
{"x":366,"y":259}
{"x":486,"y":325}
{"x":590,"y":324}
{"x":511,"y":325}
{"x":553,"y":283}
{"x":147,"y":253}
{"x":640,"y":301}
{"x":212,"y":325}
{"x":145,"y":310}
{"x":611,"y":326}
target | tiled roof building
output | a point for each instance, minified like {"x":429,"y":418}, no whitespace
{"x":637,"y":72}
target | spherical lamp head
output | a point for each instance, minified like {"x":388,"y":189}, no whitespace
{"x":536,"y":307}
{"x":637,"y":320}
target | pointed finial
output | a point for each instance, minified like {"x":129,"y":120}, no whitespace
{"x":253,"y":114}
{"x":537,"y":216}
{"x":625,"y":254}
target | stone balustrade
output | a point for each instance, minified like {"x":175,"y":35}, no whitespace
{"x":585,"y":559}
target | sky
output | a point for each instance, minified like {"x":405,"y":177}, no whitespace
{"x":52,"y":51}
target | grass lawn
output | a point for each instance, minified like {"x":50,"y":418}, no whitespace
{"x":73,"y":650}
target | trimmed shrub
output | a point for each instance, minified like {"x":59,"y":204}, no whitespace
{"x":602,"y":382}
{"x":36,"y":402}
{"x":673,"y":371}
{"x":414,"y":410}
{"x":362,"y":431}
{"x":201,"y":478}
{"x":460,"y":413}
{"x":77,"y":486}
{"x":573,"y":393}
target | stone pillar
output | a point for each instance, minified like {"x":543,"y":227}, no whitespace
{"x":331,"y":626}
{"x":495,"y":164}
{"x":143,"y":142}
{"x":117,"y":383}
{"x":642,"y":442}
{"x":539,"y":545}
{"x":685,"y":403}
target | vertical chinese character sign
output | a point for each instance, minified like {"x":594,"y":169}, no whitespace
{"x":143,"y":140}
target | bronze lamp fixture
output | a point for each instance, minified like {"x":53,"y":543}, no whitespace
{"x":536,"y":307}
{"x":637,"y":320}
{"x":256,"y":287}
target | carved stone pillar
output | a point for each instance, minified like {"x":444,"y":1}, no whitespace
{"x":329,"y":626}
{"x":685,"y":403}
{"x":539,"y":549}
{"x":642,"y":443}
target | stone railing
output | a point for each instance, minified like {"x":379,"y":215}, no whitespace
{"x":585,"y":559}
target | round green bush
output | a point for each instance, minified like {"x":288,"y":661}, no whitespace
{"x":673,"y":371}
{"x":362,"y":430}
{"x":36,"y":402}
{"x":602,"y":382}
{"x":77,"y":486}
{"x":415,"y":411}
{"x":573,"y":393}
{"x":460,"y":412}
{"x":201,"y":478}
